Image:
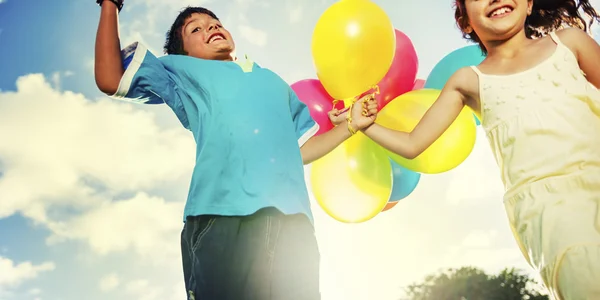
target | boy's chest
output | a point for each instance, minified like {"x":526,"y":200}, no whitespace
{"x":234,"y":89}
{"x":230,"y":94}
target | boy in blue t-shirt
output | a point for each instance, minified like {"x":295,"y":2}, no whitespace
{"x":248,"y":231}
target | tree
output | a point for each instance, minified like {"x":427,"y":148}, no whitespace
{"x":470,"y":283}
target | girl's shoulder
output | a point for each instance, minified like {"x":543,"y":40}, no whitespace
{"x":572,"y":37}
{"x":466,"y":81}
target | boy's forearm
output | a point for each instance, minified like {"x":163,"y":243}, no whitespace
{"x":108,"y":67}
{"x":318,"y":146}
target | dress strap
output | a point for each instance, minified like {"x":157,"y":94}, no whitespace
{"x":555,"y":38}
{"x":476,"y":70}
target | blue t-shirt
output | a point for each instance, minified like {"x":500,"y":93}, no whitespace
{"x":247,"y":122}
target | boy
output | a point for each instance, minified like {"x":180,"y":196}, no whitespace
{"x":248,"y":231}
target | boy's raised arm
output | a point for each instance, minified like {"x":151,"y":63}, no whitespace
{"x":108,"y":66}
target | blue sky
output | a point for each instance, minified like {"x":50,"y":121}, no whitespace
{"x":92,"y":189}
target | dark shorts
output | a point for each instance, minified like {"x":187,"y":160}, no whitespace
{"x":264,"y":256}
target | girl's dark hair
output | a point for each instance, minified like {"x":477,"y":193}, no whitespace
{"x":174,"y":43}
{"x":546,"y":16}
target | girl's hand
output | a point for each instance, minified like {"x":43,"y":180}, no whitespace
{"x":364,"y":112}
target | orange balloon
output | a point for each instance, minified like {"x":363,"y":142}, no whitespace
{"x":390,"y":205}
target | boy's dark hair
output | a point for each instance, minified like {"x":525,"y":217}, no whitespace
{"x":546,"y":16}
{"x":174,"y":43}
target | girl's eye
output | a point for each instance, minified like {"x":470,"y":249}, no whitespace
{"x":196,"y":29}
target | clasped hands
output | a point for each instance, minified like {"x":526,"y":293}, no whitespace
{"x":358,"y":116}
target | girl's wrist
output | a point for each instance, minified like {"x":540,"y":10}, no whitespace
{"x":352,"y":128}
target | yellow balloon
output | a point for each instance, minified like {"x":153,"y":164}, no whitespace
{"x":448,"y":151}
{"x":353,"y":46}
{"x":353,"y":183}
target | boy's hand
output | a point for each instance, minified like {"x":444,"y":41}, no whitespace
{"x":364,"y":112}
{"x":118,"y":3}
{"x":337,"y":117}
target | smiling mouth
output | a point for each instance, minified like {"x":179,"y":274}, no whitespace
{"x":216,"y":37}
{"x":500,"y":12}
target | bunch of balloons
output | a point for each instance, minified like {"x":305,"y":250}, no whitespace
{"x":355,"y":47}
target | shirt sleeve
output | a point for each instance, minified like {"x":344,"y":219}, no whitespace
{"x":147,"y":81}
{"x":306,"y":127}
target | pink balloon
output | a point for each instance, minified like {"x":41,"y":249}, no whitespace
{"x":312,"y":93}
{"x":419,"y":84}
{"x":401,"y":76}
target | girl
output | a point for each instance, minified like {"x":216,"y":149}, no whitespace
{"x":537,"y":98}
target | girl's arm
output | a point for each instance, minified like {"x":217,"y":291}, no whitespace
{"x":587,"y":51}
{"x":433,"y":124}
{"x":108,"y":67}
{"x":318,"y":146}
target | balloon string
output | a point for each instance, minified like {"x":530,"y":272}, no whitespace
{"x":376,"y":88}
{"x":354,"y":99}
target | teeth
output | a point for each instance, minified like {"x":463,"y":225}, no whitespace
{"x":216,"y":37}
{"x":501,"y":11}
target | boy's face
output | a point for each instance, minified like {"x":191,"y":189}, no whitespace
{"x":206,"y":38}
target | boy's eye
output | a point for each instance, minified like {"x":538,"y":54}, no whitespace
{"x":196,"y":29}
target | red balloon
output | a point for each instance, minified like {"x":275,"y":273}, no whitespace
{"x":401,"y":76}
{"x":419,"y":84}
{"x":312,"y":93}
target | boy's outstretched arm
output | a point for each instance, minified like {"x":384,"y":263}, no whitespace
{"x":318,"y":146}
{"x":108,"y":67}
{"x":433,"y":124}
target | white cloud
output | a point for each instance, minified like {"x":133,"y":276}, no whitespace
{"x":254,"y":36}
{"x":60,"y":149}
{"x":296,"y":14}
{"x":89,"y":65}
{"x":57,"y":77}
{"x":109,"y":282}
{"x":148,"y":225}
{"x":12,"y":275}
{"x":247,"y":3}
{"x":144,"y":290}
{"x":34,"y":291}
{"x":62,"y":152}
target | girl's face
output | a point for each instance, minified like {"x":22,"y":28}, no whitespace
{"x":496,"y":20}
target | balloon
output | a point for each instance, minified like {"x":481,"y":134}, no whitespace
{"x":389,"y":206}
{"x":352,"y":47}
{"x":353,"y":182}
{"x":404,"y":183}
{"x":401,"y":76}
{"x":312,"y":93}
{"x":419,"y":84}
{"x":448,"y":151}
{"x":460,"y":58}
